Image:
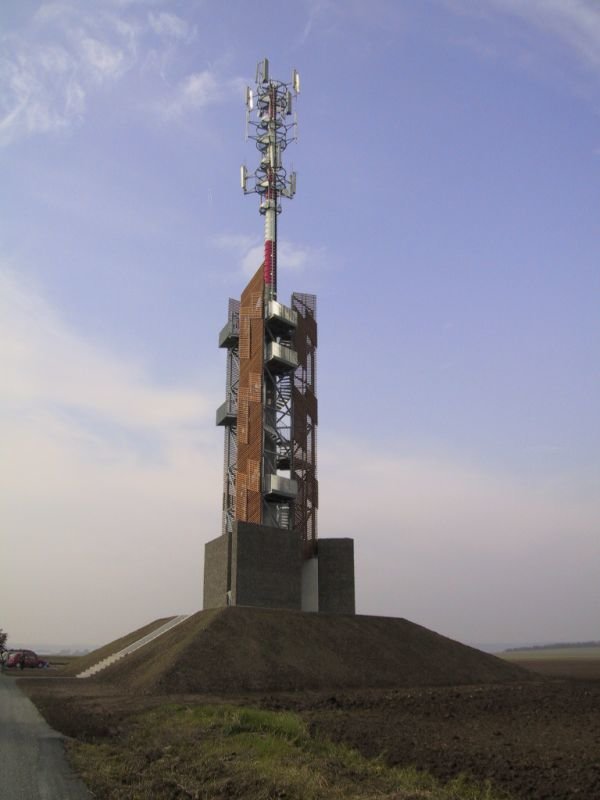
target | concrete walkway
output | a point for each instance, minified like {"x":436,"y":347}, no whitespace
{"x":33,"y":765}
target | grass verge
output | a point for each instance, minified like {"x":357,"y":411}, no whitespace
{"x":223,"y":751}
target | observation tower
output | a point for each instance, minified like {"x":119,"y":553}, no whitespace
{"x":268,"y":553}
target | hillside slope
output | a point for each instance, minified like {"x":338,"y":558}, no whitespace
{"x":89,"y":659}
{"x":235,"y":650}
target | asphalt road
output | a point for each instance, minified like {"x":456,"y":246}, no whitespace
{"x":33,"y":765}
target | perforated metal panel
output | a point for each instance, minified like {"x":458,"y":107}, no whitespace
{"x":231,"y":401}
{"x":304,"y":421}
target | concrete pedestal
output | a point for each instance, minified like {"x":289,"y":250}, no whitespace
{"x":257,"y":565}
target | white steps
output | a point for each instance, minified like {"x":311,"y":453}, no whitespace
{"x":106,"y":662}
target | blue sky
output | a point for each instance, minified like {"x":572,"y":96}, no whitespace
{"x":447,"y":218}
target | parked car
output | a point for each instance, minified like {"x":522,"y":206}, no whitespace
{"x":23,"y":658}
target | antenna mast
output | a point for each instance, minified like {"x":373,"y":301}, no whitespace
{"x":271,"y":122}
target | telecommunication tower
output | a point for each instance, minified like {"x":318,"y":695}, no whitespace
{"x":270,"y":468}
{"x":271,"y":122}
{"x":268,"y":552}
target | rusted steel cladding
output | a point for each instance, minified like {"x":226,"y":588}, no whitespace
{"x":250,"y":416}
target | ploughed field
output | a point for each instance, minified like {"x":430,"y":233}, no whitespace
{"x":162,"y":724}
{"x":560,"y":662}
{"x":533,"y":740}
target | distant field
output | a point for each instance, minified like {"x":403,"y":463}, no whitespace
{"x":582,"y":663}
{"x":578,"y":653}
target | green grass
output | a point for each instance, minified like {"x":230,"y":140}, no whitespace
{"x":579,"y":653}
{"x":224,"y":751}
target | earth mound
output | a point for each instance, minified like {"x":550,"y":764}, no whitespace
{"x":89,"y":659}
{"x":240,"y":649}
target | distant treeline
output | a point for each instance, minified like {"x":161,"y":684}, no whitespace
{"x":557,"y":646}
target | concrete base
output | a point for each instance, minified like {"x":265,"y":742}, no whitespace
{"x":310,"y":584}
{"x":257,"y":565}
{"x":266,"y":565}
{"x":336,"y":576}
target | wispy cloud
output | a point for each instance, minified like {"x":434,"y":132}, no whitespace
{"x":166,"y":24}
{"x":317,"y":9}
{"x":249,"y":253}
{"x":197,"y":90}
{"x":104,"y":61}
{"x":51,"y":68}
{"x":47,"y":365}
{"x":48,"y":70}
{"x":109,"y":479}
{"x":575,"y":23}
{"x":339,"y":18}
{"x":30,"y":99}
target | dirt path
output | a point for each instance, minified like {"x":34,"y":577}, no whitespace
{"x":32,"y":759}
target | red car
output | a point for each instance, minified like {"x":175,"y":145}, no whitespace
{"x":23,"y":658}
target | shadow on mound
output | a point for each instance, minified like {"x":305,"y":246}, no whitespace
{"x":234,"y":650}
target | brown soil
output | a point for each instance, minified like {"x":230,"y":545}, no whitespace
{"x":250,"y":649}
{"x":586,"y":669}
{"x":534,"y":740}
{"x":537,"y":740}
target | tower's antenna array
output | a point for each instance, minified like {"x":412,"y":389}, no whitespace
{"x":271,"y":122}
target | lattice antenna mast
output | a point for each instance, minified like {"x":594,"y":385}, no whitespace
{"x":271,"y":122}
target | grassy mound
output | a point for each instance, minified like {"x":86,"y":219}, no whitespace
{"x":235,"y":650}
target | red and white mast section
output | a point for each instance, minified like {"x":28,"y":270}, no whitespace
{"x":272,"y":124}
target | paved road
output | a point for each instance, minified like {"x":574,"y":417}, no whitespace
{"x":33,"y":765}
